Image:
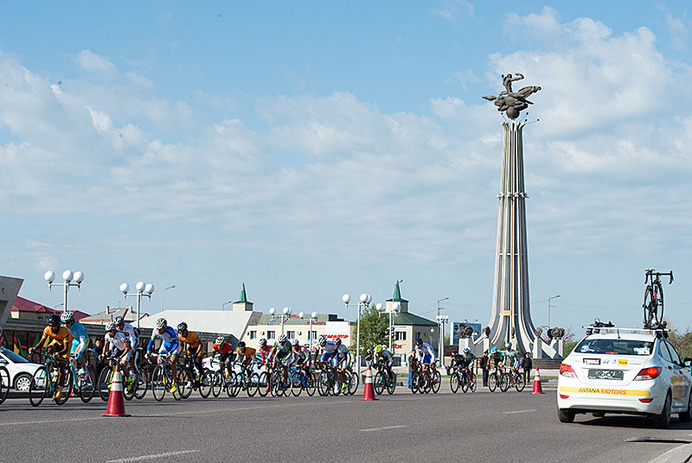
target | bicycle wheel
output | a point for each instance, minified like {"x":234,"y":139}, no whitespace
{"x":310,"y":383}
{"x":67,"y":387}
{"x":648,"y":306}
{"x":87,"y":384}
{"x":129,"y":388}
{"x":185,"y":382}
{"x":233,"y":384}
{"x":391,"y":384}
{"x":4,"y":384}
{"x":436,"y":379}
{"x":143,"y":380}
{"x":492,"y":381}
{"x":38,"y":390}
{"x":252,"y":385}
{"x":205,"y":383}
{"x":414,"y":382}
{"x":216,"y":382}
{"x":104,"y":383}
{"x":504,"y":382}
{"x":426,"y":382}
{"x":472,"y":383}
{"x":520,"y":382}
{"x":379,"y":383}
{"x":464,"y":382}
{"x":354,"y":382}
{"x":172,"y":381}
{"x":296,"y":383}
{"x":323,"y":384}
{"x":158,"y":383}
{"x":263,"y":386}
{"x":454,"y":382}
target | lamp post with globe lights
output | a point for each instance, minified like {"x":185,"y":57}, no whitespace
{"x":313,"y":316}
{"x":70,"y":279}
{"x":394,"y":312}
{"x":143,"y":290}
{"x":284,"y":316}
{"x":365,"y":300}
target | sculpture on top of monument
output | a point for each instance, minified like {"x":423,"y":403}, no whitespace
{"x":512,"y":102}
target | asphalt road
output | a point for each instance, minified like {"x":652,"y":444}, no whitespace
{"x":484,"y":426}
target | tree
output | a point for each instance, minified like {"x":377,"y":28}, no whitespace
{"x":374,"y":327}
{"x":682,"y":342}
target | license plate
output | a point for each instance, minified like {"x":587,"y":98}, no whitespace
{"x":592,"y":361}
{"x":606,"y":374}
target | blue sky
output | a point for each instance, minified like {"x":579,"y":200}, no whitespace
{"x":309,"y":149}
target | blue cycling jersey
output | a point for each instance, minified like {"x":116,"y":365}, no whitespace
{"x":78,"y":331}
{"x":169,"y":337}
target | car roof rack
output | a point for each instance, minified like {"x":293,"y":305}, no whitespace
{"x":599,"y":329}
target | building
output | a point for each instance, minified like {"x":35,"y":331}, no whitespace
{"x":306,"y":330}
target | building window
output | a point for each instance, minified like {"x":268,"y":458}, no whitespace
{"x":253,"y":334}
{"x":291,"y":334}
{"x":400,"y":335}
{"x":271,"y":335}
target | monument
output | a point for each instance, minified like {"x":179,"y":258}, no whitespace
{"x":511,"y":315}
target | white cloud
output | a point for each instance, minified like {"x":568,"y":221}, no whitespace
{"x":91,"y":62}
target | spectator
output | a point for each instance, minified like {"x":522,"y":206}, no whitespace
{"x":485,"y":366}
{"x":98,"y":348}
{"x":526,"y":364}
{"x":412,"y":366}
{"x":368,"y":357}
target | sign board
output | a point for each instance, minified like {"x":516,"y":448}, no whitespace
{"x":455,"y":331}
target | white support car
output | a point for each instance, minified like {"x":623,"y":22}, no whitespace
{"x":20,"y":369}
{"x":619,"y":370}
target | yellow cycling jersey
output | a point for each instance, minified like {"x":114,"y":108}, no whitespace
{"x":192,"y":340}
{"x":63,"y":335}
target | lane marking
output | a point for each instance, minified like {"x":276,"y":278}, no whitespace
{"x":383,"y":428}
{"x":517,"y":411}
{"x":152,"y":457}
{"x":48,"y":421}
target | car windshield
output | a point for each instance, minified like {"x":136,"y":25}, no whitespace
{"x":13,"y":357}
{"x":615,"y":347}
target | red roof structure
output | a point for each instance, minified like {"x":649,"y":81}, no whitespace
{"x":25,"y":305}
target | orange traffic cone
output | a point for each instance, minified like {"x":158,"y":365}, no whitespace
{"x":537,"y":389}
{"x":369,"y":390}
{"x":116,"y":403}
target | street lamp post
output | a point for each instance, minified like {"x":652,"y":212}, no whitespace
{"x":441,"y":320}
{"x":285,"y":315}
{"x":549,"y":306}
{"x":70,"y":279}
{"x":365,"y":300}
{"x":226,"y":303}
{"x":143,"y":290}
{"x":394,"y":312}
{"x":163,"y":295}
{"x":313,"y":316}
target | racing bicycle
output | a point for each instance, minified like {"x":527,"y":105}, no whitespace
{"x":653,"y":298}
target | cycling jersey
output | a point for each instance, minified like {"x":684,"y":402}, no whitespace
{"x":385,"y":357}
{"x":512,"y":358}
{"x":248,"y":355}
{"x":467,"y":360}
{"x":193,"y":342}
{"x":425,"y":353}
{"x":328,"y":351}
{"x":170,"y":344}
{"x":224,"y":348}
{"x":129,"y":331}
{"x":265,"y":354}
{"x":299,"y":356}
{"x":284,"y":353}
{"x":497,"y":358}
{"x":59,"y":339}
{"x":118,"y":343}
{"x":343,"y":356}
{"x":80,"y":339}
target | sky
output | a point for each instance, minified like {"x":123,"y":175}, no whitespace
{"x":310,"y":149}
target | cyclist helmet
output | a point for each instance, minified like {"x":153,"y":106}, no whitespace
{"x":262,"y":342}
{"x":493,"y":350}
{"x":66,"y":317}
{"x":378,"y":349}
{"x":53,"y":320}
{"x":282,"y":339}
{"x":322,"y":340}
{"x":220,"y":340}
{"x":119,"y":320}
{"x":337,"y":341}
{"x":509,"y":345}
{"x":161,"y":323}
{"x":419,"y":342}
{"x":466,"y":350}
{"x":296,"y":343}
{"x":241,"y":345}
{"x":110,"y":326}
{"x":182,"y":326}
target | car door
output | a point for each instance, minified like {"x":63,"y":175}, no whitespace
{"x":678,"y":380}
{"x":682,"y":378}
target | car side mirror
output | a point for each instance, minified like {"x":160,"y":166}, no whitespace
{"x":687,"y":362}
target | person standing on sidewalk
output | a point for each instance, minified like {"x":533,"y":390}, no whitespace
{"x":412,"y":360}
{"x":485,"y":366}
{"x":526,"y":364}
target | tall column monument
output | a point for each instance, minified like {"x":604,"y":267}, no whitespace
{"x":511,"y":312}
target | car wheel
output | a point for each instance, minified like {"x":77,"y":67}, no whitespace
{"x":663,"y":420}
{"x":22,"y":382}
{"x":565,"y":416}
{"x":686,"y":416}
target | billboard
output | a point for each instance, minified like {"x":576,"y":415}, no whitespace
{"x":455,"y":331}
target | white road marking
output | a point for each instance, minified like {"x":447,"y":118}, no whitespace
{"x":517,"y":411}
{"x":152,"y":457}
{"x":50,"y":421}
{"x":383,"y":428}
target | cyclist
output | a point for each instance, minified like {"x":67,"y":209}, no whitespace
{"x":467,"y":359}
{"x":282,"y":353}
{"x":119,"y":345}
{"x":170,"y":346}
{"x":193,"y":347}
{"x":80,"y":339}
{"x":301,"y":358}
{"x":425,"y":354}
{"x":384,"y":357}
{"x":511,"y":356}
{"x":247,"y":353}
{"x":342,"y":361}
{"x":129,"y":331}
{"x":59,"y":347}
{"x":225,"y":351}
{"x":496,"y":357}
{"x":264,"y":353}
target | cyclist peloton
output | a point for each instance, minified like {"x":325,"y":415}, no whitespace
{"x":193,"y":347}
{"x":80,"y":338}
{"x":119,"y":345}
{"x":170,"y":346}
{"x":59,"y":347}
{"x":384,"y":357}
